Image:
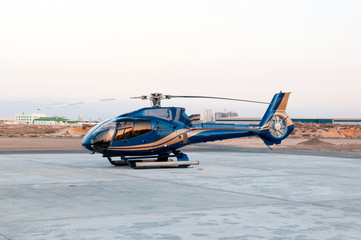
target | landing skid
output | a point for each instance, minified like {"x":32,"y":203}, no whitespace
{"x":160,"y":161}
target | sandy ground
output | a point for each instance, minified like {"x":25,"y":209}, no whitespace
{"x":39,"y":144}
{"x":340,"y":145}
{"x":306,"y":136}
{"x":302,"y":130}
{"x":351,"y":146}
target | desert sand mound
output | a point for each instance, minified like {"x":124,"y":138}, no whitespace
{"x":315,"y":142}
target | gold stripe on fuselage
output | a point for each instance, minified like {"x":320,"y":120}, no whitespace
{"x":159,"y":142}
{"x":171,"y":139}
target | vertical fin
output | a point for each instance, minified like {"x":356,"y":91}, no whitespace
{"x":275,"y":124}
{"x":278,"y":104}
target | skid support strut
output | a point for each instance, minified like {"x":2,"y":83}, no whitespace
{"x":117,"y":163}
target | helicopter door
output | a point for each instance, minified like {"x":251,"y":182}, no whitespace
{"x":132,"y":128}
{"x":124,"y":131}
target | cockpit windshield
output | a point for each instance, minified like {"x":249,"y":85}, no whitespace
{"x":102,"y":139}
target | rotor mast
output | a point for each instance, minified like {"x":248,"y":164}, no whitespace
{"x":155,"y":99}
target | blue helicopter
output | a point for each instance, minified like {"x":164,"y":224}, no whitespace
{"x":152,"y":136}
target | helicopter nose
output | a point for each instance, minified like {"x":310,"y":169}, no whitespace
{"x":86,"y":143}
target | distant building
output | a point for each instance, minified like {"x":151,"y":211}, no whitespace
{"x":208,"y":115}
{"x":349,"y":121}
{"x":28,"y":118}
{"x":225,"y":115}
{"x":313,"y":120}
{"x":56,"y":121}
{"x":7,"y":120}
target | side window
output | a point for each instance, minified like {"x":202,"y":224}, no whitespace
{"x":124,"y":131}
{"x":130,"y":129}
{"x":141,"y":127}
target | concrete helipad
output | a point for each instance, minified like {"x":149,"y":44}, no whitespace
{"x":230,"y":195}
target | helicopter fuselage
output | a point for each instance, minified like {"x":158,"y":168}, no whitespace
{"x":155,"y":131}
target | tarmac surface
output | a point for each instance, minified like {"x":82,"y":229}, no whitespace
{"x":230,"y":195}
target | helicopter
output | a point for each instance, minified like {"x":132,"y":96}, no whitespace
{"x":153,"y":136}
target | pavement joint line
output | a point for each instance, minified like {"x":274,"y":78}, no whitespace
{"x":297,"y":172}
{"x":252,"y":176}
{"x":316,"y":174}
{"x":170,"y":212}
{"x":316,"y":203}
{"x":143,"y":214}
{"x":57,"y":183}
{"x":221,"y":190}
{"x":347,"y":199}
{"x":265,"y":196}
{"x":327,"y":175}
{"x":3,"y":236}
{"x":332,"y":207}
{"x":189,"y":185}
{"x":169,"y":180}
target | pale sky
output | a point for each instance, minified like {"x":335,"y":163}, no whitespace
{"x":66,"y":51}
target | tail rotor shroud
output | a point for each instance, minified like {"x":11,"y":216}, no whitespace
{"x":278,"y":126}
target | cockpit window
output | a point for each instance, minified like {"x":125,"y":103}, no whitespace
{"x":125,"y":129}
{"x":141,"y":127}
{"x":132,"y":128}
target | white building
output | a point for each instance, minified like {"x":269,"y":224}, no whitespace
{"x":28,"y":118}
{"x":208,"y":115}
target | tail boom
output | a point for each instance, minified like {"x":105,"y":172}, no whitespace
{"x":273,"y":128}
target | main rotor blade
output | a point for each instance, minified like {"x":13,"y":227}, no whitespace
{"x":79,"y":103}
{"x":220,"y":98}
